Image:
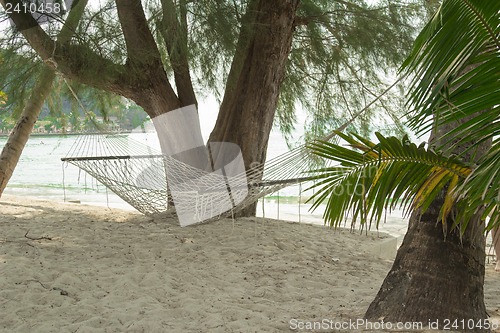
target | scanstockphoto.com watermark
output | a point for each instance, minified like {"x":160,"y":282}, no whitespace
{"x":366,"y":325}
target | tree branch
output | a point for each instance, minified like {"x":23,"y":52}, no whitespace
{"x":76,"y":62}
{"x":174,"y":34}
{"x":144,"y":58}
{"x":141,"y":46}
{"x":36,"y":238}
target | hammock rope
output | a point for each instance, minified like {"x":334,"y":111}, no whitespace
{"x":138,"y":174}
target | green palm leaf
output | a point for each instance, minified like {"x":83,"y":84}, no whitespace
{"x":455,"y":66}
{"x":482,"y":189}
{"x":3,"y":97}
{"x":455,"y":63}
{"x":374,"y":177}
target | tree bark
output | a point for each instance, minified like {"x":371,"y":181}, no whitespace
{"x":247,"y":110}
{"x":437,"y":276}
{"x":13,"y":149}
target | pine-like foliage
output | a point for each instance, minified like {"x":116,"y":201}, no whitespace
{"x":342,"y":52}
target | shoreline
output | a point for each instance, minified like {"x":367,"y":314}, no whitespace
{"x":6,"y":135}
{"x":286,"y":208}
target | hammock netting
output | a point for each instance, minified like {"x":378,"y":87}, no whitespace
{"x":149,"y":180}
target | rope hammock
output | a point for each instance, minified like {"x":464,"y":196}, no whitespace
{"x":151,"y":181}
{"x":140,"y":178}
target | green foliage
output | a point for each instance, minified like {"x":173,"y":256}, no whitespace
{"x":454,"y":64}
{"x":342,"y":55}
{"x":376,"y":177}
{"x":341,"y":52}
{"x":455,"y":59}
{"x":18,"y":74}
{"x":99,"y":29}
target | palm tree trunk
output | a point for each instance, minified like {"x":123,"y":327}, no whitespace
{"x":437,"y":278}
{"x":20,"y":134}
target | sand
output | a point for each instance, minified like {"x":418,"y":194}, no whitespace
{"x":76,"y":268}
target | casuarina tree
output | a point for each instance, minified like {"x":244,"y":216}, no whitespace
{"x":260,"y":58}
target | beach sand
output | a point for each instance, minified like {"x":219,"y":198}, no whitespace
{"x":76,"y":268}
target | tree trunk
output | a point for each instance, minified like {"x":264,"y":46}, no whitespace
{"x":20,"y":134}
{"x":436,"y":277}
{"x":247,"y":110}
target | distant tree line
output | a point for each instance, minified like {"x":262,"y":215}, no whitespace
{"x":69,"y":118}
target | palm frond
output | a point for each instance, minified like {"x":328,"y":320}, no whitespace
{"x":374,"y":177}
{"x":455,"y":64}
{"x":482,"y":188}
